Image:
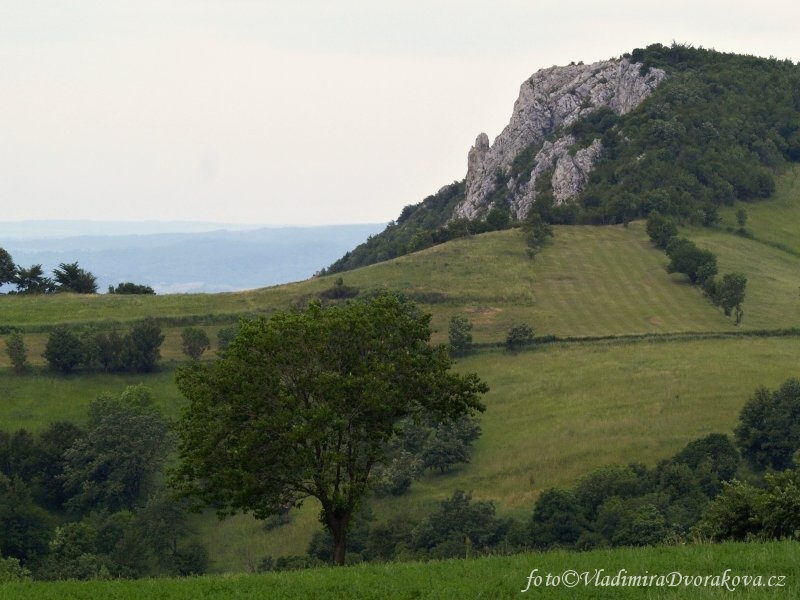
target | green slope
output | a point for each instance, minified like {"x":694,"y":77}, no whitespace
{"x":776,"y":221}
{"x":769,"y":256}
{"x":554,"y":412}
{"x":587,"y":281}
{"x":557,"y":412}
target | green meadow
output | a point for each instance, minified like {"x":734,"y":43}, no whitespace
{"x":553,"y":413}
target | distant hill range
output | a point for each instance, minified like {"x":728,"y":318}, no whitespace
{"x":679,"y":130}
{"x":179,"y":257}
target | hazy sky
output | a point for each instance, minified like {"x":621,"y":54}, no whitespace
{"x":298,"y":111}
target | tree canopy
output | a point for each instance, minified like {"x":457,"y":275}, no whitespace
{"x":33,"y":280}
{"x":8,"y":269}
{"x":304,"y":404}
{"x":768,"y":433}
{"x":69,"y":277}
{"x":113,"y":465}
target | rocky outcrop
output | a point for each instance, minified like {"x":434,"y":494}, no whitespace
{"x":551,"y":100}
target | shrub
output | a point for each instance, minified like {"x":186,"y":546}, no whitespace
{"x":460,"y":335}
{"x":195,"y":342}
{"x":141,"y":347}
{"x":733,"y":515}
{"x":459,"y":519}
{"x":519,"y":336}
{"x":12,"y":570}
{"x":339,"y":291}
{"x":109,"y":350}
{"x":685,"y":257}
{"x":63,"y":351}
{"x":396,"y":477}
{"x":557,"y":519}
{"x":17,"y":353}
{"x":225,"y":337}
{"x":131,"y":288}
{"x":660,"y":229}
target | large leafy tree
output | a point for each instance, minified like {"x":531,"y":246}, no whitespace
{"x":304,"y":404}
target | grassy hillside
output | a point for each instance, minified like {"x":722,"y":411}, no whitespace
{"x":33,"y":402}
{"x":775,"y":221}
{"x":555,"y":411}
{"x":492,"y":577}
{"x":588,"y":281}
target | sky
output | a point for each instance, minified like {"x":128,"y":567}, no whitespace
{"x":305,"y":112}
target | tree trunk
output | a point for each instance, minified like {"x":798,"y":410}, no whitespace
{"x":337,"y":523}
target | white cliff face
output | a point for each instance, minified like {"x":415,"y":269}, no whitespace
{"x":550,"y":99}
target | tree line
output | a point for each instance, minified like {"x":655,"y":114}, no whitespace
{"x":68,"y":277}
{"x":699,"y":265}
{"x":85,"y":502}
{"x":136,"y":351}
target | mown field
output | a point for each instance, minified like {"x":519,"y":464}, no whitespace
{"x":701,"y":571}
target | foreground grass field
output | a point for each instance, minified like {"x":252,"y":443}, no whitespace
{"x":701,"y":571}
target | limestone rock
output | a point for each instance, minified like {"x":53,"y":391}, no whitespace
{"x":550,"y":99}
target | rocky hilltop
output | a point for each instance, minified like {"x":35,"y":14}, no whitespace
{"x":551,"y":99}
{"x":677,"y":130}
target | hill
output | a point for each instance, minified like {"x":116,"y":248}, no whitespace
{"x":681,"y":130}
